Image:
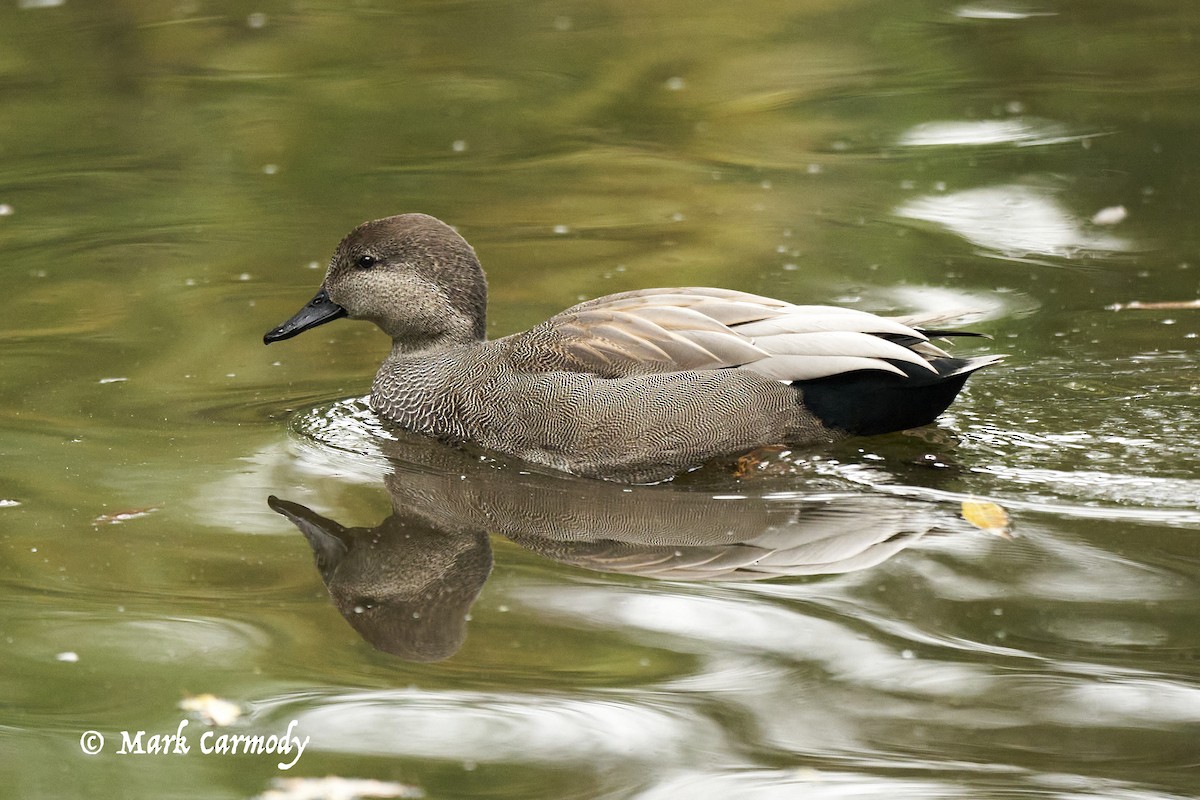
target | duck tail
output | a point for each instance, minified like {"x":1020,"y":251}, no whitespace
{"x":871,"y":402}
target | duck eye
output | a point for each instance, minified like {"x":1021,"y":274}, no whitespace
{"x":366,"y":261}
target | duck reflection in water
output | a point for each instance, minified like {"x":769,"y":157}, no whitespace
{"x":407,"y":584}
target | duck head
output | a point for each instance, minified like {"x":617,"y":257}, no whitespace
{"x":411,"y":274}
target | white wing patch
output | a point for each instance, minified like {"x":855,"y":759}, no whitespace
{"x":841,"y":344}
{"x":706,"y":328}
{"x":807,"y":368}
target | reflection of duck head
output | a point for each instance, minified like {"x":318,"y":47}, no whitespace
{"x":406,"y":585}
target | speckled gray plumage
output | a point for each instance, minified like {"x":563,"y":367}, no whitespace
{"x":633,"y":387}
{"x":636,"y":428}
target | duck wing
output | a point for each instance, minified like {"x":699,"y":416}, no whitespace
{"x":699,"y":328}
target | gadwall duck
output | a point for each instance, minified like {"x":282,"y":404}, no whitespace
{"x":636,"y":386}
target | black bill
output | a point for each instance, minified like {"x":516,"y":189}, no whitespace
{"x":318,"y":311}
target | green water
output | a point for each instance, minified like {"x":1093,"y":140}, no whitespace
{"x":172,"y":176}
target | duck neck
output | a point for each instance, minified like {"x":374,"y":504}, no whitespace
{"x":408,"y":349}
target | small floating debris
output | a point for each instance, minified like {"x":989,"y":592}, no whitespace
{"x":67,"y":656}
{"x":212,"y":710}
{"x":6,"y":503}
{"x":989,"y":517}
{"x":118,"y":517}
{"x":113,"y":380}
{"x":1110,"y":216}
{"x":1167,"y":305}
{"x":335,"y":788}
{"x":770,"y":459}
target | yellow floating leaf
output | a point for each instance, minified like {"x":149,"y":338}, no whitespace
{"x":212,"y":709}
{"x":987,"y":516}
{"x":762,"y":459}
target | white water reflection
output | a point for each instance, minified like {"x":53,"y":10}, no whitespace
{"x":787,"y":784}
{"x":962,"y":307}
{"x":998,"y":12}
{"x":1108,"y":633}
{"x":1139,"y":490}
{"x":733,"y":625}
{"x":1126,"y":703}
{"x":1017,"y":131}
{"x":506,"y":727}
{"x":197,"y":640}
{"x":1014,"y":220}
{"x":340,"y":441}
{"x":812,"y":784}
{"x":868,"y":690}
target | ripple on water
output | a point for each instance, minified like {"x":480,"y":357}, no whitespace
{"x":712,"y":625}
{"x":835,"y":672}
{"x":839,"y":784}
{"x":348,"y":425}
{"x":142,"y":660}
{"x":809,"y":783}
{"x":504,"y":727}
{"x":1036,"y":470}
{"x":341,"y":441}
{"x":200,"y":640}
{"x":972,"y":655}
